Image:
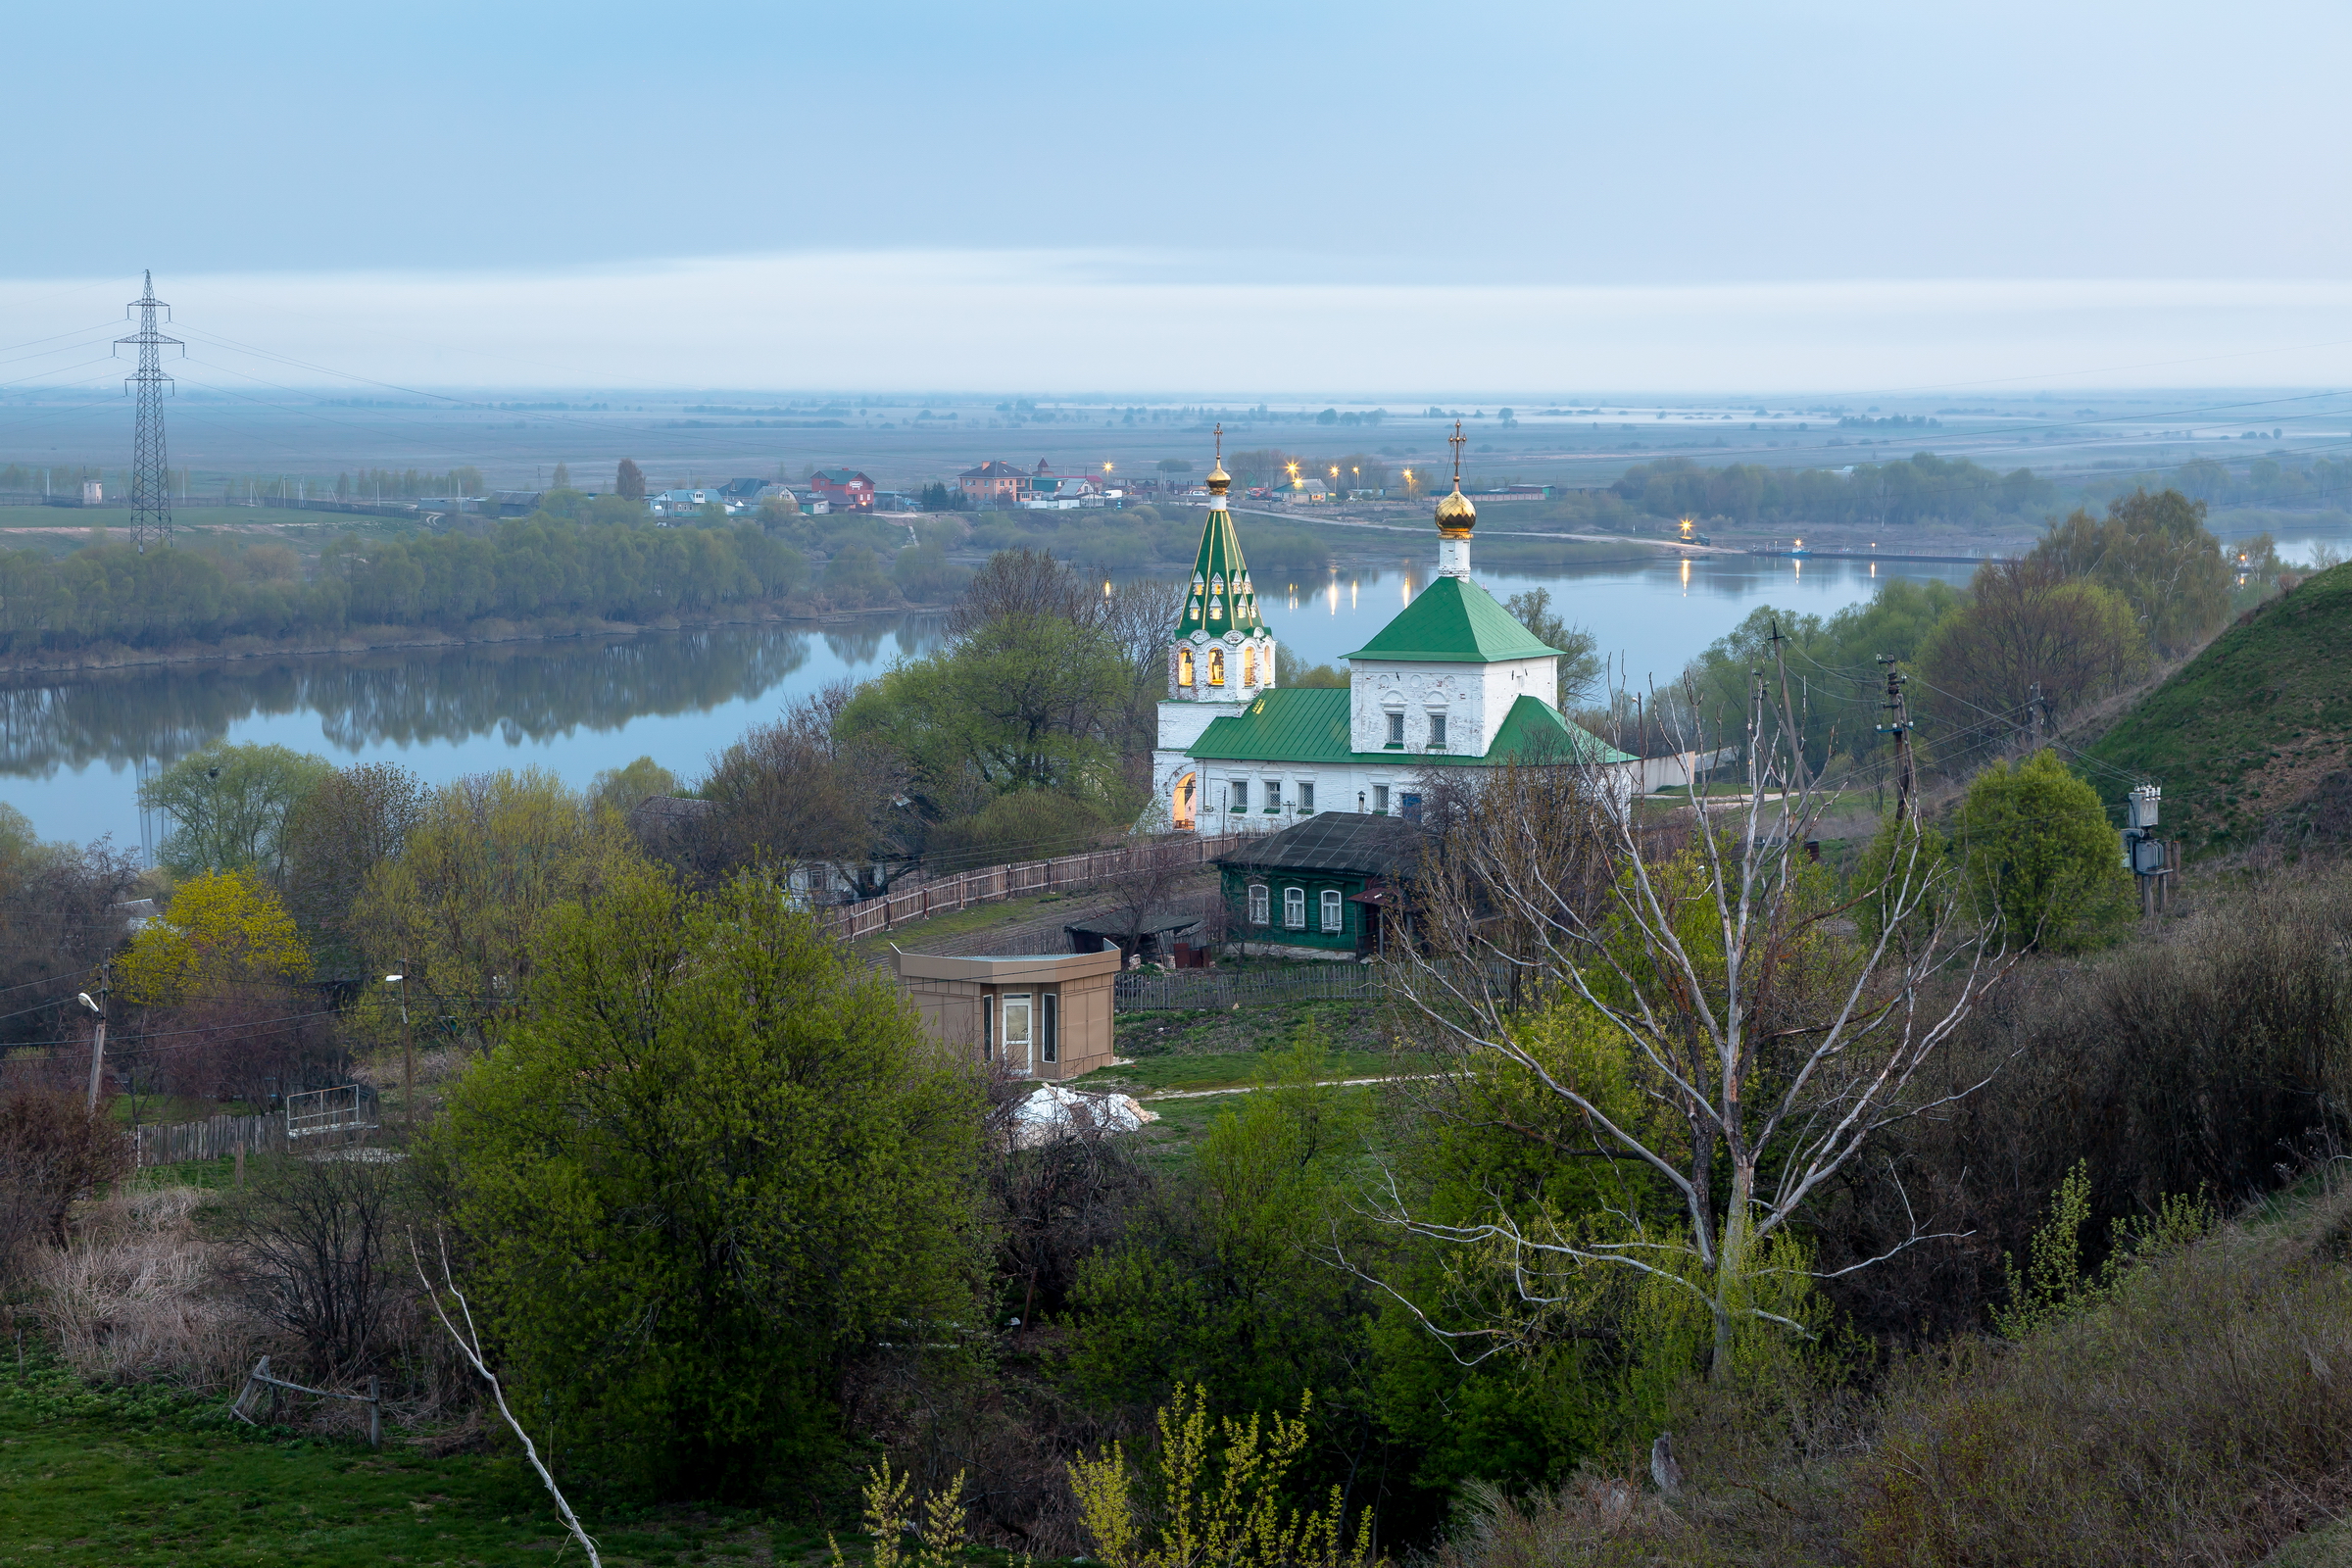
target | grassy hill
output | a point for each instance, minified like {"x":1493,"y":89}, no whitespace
{"x":2252,"y":739}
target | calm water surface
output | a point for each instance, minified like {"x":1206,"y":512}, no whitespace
{"x":73,"y":751}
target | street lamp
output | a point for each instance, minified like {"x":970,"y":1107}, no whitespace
{"x":407,"y":1055}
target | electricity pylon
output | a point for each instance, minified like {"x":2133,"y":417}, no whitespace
{"x":150,"y":468}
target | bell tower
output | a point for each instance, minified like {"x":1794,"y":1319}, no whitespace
{"x":1221,"y":657}
{"x":1221,"y":651}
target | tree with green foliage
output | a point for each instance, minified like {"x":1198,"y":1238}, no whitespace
{"x":2030,"y":645}
{"x":628,"y":480}
{"x":1579,"y":666}
{"x":482,"y":865}
{"x":622,"y":789}
{"x":711,"y":1163}
{"x":2040,"y":855}
{"x":355,"y":820}
{"x":2156,"y":551}
{"x":224,"y":930}
{"x":229,"y":804}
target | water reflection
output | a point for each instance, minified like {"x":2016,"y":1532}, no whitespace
{"x":518,"y":692}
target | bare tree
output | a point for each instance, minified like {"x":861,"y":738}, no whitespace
{"x":798,"y":792}
{"x":315,"y":1232}
{"x":1025,"y":584}
{"x":1760,"y":1035}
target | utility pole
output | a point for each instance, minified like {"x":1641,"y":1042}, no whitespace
{"x":1900,"y":728}
{"x":150,"y":469}
{"x":2148,"y":857}
{"x":98,"y":1034}
{"x":408,"y":1055}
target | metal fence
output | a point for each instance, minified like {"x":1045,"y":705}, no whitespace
{"x":1190,"y":989}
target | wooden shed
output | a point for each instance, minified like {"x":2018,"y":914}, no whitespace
{"x":1043,"y":1015}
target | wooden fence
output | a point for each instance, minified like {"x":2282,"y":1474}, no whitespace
{"x":168,"y":1143}
{"x":1135,"y":991}
{"x":996,"y":882}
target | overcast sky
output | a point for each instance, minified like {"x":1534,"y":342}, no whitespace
{"x":1222,"y":198}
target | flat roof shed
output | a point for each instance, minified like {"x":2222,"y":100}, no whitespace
{"x":1042,"y":1014}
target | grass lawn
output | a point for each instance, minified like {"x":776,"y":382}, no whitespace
{"x":122,"y":1477}
{"x":1150,"y":1075}
{"x":914,"y":935}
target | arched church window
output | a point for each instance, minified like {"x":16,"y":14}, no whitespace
{"x":1248,"y":666}
{"x":1184,"y":667}
{"x":1216,"y":667}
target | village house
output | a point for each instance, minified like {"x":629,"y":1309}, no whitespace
{"x":843,"y":489}
{"x":1334,"y":886}
{"x":994,"y":484}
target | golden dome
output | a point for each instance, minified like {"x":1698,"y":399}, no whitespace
{"x":1456,"y":516}
{"x":1218,"y":479}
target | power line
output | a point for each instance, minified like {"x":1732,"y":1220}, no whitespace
{"x":150,"y":468}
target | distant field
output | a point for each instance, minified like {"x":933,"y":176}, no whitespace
{"x":78,"y":520}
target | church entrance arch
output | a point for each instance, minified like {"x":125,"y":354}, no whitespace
{"x":1181,"y":800}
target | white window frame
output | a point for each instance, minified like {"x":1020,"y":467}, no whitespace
{"x":1437,"y":731}
{"x":1273,"y":795}
{"x":1395,"y":726}
{"x":1380,"y":800}
{"x":1304,"y":792}
{"x":1020,"y":1028}
{"x":1335,"y":917}
{"x":1261,"y":905}
{"x":1236,"y":794}
{"x":1294,"y":908}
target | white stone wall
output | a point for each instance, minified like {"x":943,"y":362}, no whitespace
{"x":1475,"y":699}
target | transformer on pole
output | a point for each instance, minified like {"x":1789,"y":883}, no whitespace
{"x":150,"y":468}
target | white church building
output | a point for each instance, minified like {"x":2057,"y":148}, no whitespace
{"x":1453,"y":681}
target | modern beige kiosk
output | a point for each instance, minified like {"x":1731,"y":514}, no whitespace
{"x":1042,"y":1014}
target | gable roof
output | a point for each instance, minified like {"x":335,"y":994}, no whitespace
{"x":993,"y":468}
{"x":1454,"y":622}
{"x":1357,"y":842}
{"x":838,"y":476}
{"x":1310,"y":724}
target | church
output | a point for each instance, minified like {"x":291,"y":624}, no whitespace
{"x":1452,"y":681}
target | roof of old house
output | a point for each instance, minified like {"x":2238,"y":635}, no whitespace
{"x":1337,"y":841}
{"x":1310,"y":724}
{"x":838,"y":476}
{"x":1454,"y":622}
{"x":1153,"y":923}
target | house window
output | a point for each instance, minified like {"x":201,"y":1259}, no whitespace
{"x":1437,"y":731}
{"x":1216,"y":667}
{"x":1306,"y":795}
{"x":1273,"y":795}
{"x":1017,"y":1029}
{"x":1395,"y":729}
{"x":1331,"y":910}
{"x":1184,"y":667}
{"x":1051,"y":1021}
{"x":1294,"y":908}
{"x":988,"y":1028}
{"x":1237,"y":795}
{"x":1380,"y":800}
{"x":1261,"y":904}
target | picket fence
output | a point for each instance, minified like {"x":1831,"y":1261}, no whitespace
{"x":1069,"y":871}
{"x":169,"y":1143}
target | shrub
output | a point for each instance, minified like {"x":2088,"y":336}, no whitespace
{"x":2041,"y":856}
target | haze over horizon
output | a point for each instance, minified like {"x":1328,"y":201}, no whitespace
{"x":1336,"y":201}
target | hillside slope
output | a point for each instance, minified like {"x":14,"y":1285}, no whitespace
{"x":2252,"y":739}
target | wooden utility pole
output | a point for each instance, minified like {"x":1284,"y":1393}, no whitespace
{"x":1900,"y":726}
{"x":408,"y":1055}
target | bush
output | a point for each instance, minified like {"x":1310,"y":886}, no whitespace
{"x":2040,"y":858}
{"x":53,"y":1152}
{"x":1032,"y":825}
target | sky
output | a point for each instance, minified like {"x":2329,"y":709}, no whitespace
{"x":1357,"y":199}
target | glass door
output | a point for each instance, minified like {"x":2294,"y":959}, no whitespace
{"x":1017,"y":1035}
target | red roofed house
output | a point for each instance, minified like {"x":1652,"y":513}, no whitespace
{"x":845,"y":489}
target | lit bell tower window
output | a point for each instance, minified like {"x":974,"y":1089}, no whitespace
{"x":1184,"y":667}
{"x":1248,"y":666}
{"x":1216,"y":667}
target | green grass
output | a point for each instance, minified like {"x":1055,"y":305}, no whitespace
{"x":1239,"y":1069}
{"x":2245,"y":733}
{"x":915,"y":934}
{"x":129,"y":1477}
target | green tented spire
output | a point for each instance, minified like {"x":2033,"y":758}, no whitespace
{"x":1220,"y":599}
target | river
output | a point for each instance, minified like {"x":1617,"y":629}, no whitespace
{"x":73,"y":750}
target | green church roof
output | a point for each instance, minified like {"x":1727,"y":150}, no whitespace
{"x":1220,"y":598}
{"x":1454,"y":622}
{"x":1309,"y":725}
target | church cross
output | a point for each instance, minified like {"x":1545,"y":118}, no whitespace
{"x":1456,"y":441}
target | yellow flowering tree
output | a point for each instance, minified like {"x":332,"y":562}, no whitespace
{"x":224,"y":930}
